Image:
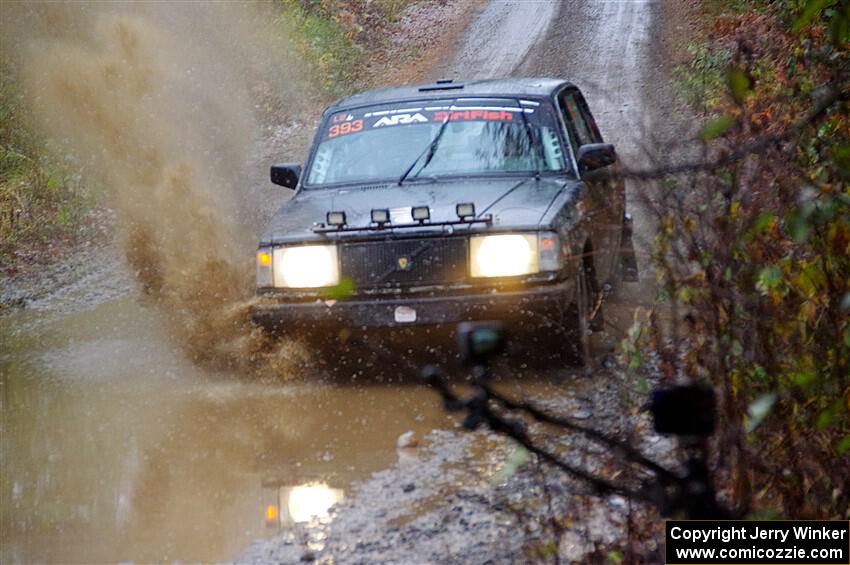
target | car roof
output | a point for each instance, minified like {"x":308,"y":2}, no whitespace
{"x":453,"y":88}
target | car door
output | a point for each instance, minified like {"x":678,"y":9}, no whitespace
{"x":605,"y":193}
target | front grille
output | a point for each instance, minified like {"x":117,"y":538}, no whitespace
{"x":411,"y":262}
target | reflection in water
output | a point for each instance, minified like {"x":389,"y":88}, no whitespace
{"x":308,"y":502}
{"x":114,"y":448}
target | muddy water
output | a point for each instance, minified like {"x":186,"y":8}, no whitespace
{"x":115,"y":448}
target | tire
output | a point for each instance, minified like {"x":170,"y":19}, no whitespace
{"x":593,"y":291}
{"x":583,"y":315}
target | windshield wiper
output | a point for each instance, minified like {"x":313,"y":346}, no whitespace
{"x":536,"y":148}
{"x":430,"y":150}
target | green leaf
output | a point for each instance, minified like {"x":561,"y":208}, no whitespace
{"x":344,"y":289}
{"x":811,"y":10}
{"x":798,"y":225}
{"x":53,"y":182}
{"x":840,"y":28}
{"x":764,"y":514}
{"x":804,"y":378}
{"x":758,"y":410}
{"x":762,"y":222}
{"x":843,"y":445}
{"x":717,"y":127}
{"x":826,"y":417}
{"x":615,"y":556}
{"x":63,"y":216}
{"x":841,"y":154}
{"x":740,"y":85}
{"x":514,"y":463}
{"x":769,"y":278}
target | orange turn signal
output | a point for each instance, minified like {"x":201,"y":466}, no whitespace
{"x":272,"y":512}
{"x":264,"y":258}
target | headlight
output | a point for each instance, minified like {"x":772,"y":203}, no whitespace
{"x":503,"y":255}
{"x":508,"y":255}
{"x":305,"y":266}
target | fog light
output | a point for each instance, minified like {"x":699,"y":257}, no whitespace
{"x":380,"y":216}
{"x":336,"y":219}
{"x":420,"y":213}
{"x":465,"y":210}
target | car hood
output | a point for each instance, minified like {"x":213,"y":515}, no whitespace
{"x":513,"y":203}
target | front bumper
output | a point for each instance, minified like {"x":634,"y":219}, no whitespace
{"x":530,"y":307}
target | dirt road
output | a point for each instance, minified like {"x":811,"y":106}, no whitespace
{"x":114,"y":447}
{"x":429,"y":506}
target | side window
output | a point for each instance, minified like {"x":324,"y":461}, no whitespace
{"x":580,"y":124}
{"x":587,"y":117}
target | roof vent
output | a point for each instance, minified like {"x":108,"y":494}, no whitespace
{"x":442,"y":84}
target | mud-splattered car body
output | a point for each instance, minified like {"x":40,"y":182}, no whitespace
{"x":446,"y":202}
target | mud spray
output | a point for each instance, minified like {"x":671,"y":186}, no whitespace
{"x":157,"y":103}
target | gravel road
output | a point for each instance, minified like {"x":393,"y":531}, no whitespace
{"x":117,"y":448}
{"x":440,"y":504}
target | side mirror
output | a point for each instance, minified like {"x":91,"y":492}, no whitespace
{"x":595,"y":156}
{"x":286,"y":174}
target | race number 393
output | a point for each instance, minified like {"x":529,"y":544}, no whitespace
{"x":757,"y":542}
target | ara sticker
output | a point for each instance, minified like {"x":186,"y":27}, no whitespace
{"x":400,"y":119}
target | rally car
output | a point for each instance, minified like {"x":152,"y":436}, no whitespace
{"x":446,"y":202}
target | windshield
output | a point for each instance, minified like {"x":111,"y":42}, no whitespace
{"x":481,"y":136}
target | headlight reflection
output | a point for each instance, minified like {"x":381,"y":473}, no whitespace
{"x":310,"y":501}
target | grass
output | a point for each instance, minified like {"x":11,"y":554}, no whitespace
{"x":702,"y":79}
{"x":337,"y":37}
{"x":41,"y":200}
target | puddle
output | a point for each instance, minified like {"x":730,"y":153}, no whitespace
{"x":116,"y":448}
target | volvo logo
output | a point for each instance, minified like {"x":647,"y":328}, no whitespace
{"x":404,"y":263}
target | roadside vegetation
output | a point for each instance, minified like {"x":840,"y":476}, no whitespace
{"x":338,"y":37}
{"x":45,"y":200}
{"x":42,"y":200}
{"x":753,"y":254}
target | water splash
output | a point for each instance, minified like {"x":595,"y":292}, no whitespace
{"x":156,"y":103}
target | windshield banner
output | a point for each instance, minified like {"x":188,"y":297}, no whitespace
{"x":374,"y":117}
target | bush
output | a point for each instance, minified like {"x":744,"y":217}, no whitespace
{"x":754,"y":249}
{"x":40,"y":199}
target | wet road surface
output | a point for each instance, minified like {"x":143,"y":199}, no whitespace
{"x":114,"y":447}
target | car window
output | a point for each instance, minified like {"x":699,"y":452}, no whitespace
{"x":481,"y":136}
{"x":587,"y":118}
{"x":579,"y":130}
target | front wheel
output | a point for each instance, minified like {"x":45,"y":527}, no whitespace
{"x":582,"y":315}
